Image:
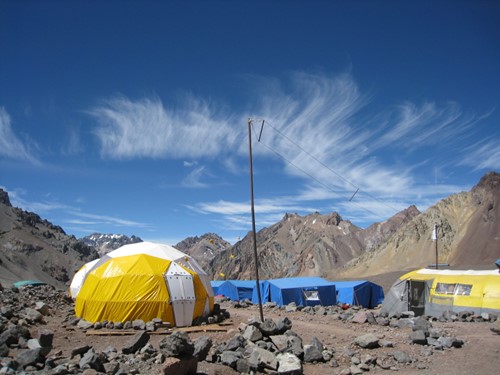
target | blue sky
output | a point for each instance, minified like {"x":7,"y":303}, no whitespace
{"x":131,"y":116}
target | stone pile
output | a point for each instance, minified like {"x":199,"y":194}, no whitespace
{"x":23,"y":311}
{"x":256,"y":347}
{"x":218,"y":316}
{"x":348,"y":312}
{"x":268,"y":346}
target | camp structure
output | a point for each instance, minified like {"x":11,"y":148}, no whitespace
{"x":359,"y":292}
{"x":237,"y":290}
{"x":79,"y":277}
{"x":25,"y":283}
{"x":145,"y":281}
{"x":303,"y":291}
{"x":215,"y":285}
{"x":432,"y":292}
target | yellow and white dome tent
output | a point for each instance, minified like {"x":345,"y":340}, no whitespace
{"x":144,"y":281}
{"x":79,"y":278}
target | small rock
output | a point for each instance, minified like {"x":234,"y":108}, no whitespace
{"x":176,"y":345}
{"x":202,"y":347}
{"x":260,"y":358}
{"x":401,"y":357}
{"x":289,"y":364}
{"x":312,"y":354}
{"x":360,"y":317}
{"x":83,"y":324}
{"x":30,"y":357}
{"x":136,"y":342}
{"x":139,"y":324}
{"x":283,"y":325}
{"x":229,"y":358}
{"x":252,"y":333}
{"x":268,"y":327}
{"x":180,"y":366}
{"x":368,"y":341}
{"x":418,"y":337}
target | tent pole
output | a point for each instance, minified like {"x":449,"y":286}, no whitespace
{"x":253,"y":220}
{"x":436,"y":229}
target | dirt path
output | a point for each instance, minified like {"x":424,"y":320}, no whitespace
{"x":479,"y":355}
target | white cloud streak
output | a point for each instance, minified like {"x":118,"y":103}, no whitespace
{"x":10,"y":145}
{"x":105,"y":219}
{"x":71,"y":214}
{"x":145,"y":128}
{"x":194,"y":178}
{"x":485,"y":155}
{"x":321,"y":126}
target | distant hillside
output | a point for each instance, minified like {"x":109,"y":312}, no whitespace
{"x":203,"y":248}
{"x":468,"y":235}
{"x":33,"y":248}
{"x":104,"y":243}
{"x":328,"y":246}
{"x":312,"y":245}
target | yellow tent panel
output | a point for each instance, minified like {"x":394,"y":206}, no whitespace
{"x":435,"y":291}
{"x":133,"y":284}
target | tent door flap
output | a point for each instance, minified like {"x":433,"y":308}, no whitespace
{"x":182,"y":298}
{"x":417,"y":297}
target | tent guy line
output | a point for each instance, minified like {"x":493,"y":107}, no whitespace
{"x":326,"y":186}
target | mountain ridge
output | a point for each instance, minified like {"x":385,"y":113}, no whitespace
{"x":310,"y":245}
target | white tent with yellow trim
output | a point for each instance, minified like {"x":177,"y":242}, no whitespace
{"x":432,"y":292}
{"x":145,"y":281}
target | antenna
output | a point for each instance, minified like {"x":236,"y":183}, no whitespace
{"x":253,"y":217}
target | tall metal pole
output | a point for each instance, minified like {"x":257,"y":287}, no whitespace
{"x":436,"y":231}
{"x":253,"y":220}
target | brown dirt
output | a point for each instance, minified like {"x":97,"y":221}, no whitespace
{"x":479,"y":355}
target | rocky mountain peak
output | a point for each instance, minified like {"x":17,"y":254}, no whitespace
{"x":334,"y":219}
{"x":203,"y":248}
{"x":34,"y":248}
{"x":104,"y":243}
{"x":490,"y":181}
{"x":4,"y":198}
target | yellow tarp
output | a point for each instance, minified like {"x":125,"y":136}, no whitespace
{"x":476,"y":289}
{"x":133,"y":287}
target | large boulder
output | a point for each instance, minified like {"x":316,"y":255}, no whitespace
{"x":178,"y":344}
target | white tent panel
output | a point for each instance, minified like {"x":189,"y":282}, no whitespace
{"x":79,"y":278}
{"x":183,"y":313}
{"x":149,"y":248}
{"x":182,"y":295}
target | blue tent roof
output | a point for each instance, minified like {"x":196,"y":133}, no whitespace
{"x":237,"y":290}
{"x":359,"y":292}
{"x":305,"y":291}
{"x":293,"y":282}
{"x":22,"y":283}
{"x":215,"y":285}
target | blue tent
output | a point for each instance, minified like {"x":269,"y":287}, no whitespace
{"x":23,"y":283}
{"x":237,"y":290}
{"x":359,"y":292}
{"x":305,"y":291}
{"x":215,"y":285}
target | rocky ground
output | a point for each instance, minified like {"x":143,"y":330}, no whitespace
{"x":39,"y":334}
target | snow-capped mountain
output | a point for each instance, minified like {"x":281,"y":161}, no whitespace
{"x":104,"y":243}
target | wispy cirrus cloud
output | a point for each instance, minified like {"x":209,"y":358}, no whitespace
{"x":146,"y":128}
{"x":411,"y":126}
{"x":10,"y":145}
{"x":320,"y":130}
{"x":194,"y":178}
{"x":70,"y":214}
{"x":109,"y":220}
{"x":483,"y":155}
